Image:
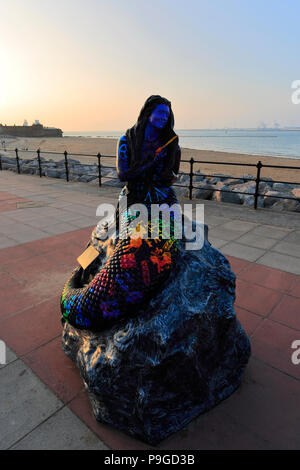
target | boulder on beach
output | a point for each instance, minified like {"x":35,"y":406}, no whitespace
{"x":286,"y":205}
{"x":203,"y":191}
{"x":283,"y":187}
{"x":274,"y":196}
{"x":296,"y":192}
{"x":223,"y":193}
{"x":249,"y":201}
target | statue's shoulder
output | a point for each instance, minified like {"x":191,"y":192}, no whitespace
{"x":122,"y":144}
{"x":123,"y":138}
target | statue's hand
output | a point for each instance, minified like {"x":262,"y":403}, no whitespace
{"x":152,"y":161}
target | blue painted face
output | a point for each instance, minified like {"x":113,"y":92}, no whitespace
{"x":159,"y":116}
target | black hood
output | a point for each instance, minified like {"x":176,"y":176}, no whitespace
{"x":135,"y":135}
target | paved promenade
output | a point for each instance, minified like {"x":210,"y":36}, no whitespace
{"x":44,"y":225}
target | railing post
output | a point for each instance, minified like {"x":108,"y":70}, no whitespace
{"x":99,"y":167}
{"x":18,"y":162}
{"x":39,"y":161}
{"x":258,"y":166}
{"x":66,"y":165}
{"x":191,"y":178}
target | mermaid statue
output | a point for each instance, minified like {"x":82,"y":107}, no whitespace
{"x":151,"y":324}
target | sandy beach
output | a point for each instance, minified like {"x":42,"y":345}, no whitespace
{"x":85,"y":145}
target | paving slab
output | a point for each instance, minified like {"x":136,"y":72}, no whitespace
{"x":272,"y":343}
{"x":266,"y":404}
{"x":31,"y":332}
{"x":293,"y":237}
{"x":257,"y":241}
{"x":269,"y":231}
{"x":25,"y":402}
{"x":55,"y":369}
{"x":214,"y":220}
{"x":5,"y":242}
{"x":239,"y":226}
{"x":246,"y":252}
{"x":271,"y":278}
{"x":223,"y":233}
{"x":28,"y":234}
{"x":287,"y":312}
{"x":59,"y":228}
{"x":217,"y":242}
{"x":62,"y":431}
{"x":287,"y":248}
{"x":248,"y":320}
{"x":255,"y":298}
{"x":280,"y":261}
{"x":43,"y":222}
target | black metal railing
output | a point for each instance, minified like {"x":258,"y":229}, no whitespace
{"x":258,"y":179}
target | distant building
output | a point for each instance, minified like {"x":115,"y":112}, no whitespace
{"x":36,"y":130}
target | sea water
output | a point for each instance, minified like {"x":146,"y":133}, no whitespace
{"x":278,"y":143}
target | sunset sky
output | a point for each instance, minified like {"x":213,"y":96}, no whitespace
{"x":91,"y":64}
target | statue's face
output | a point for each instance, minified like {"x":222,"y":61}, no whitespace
{"x":159,"y":116}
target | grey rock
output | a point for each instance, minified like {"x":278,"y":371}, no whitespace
{"x":286,"y":205}
{"x":268,"y":179}
{"x":50,"y":165}
{"x":94,"y":180}
{"x":105,"y":170}
{"x":233,"y":182}
{"x":196,"y":178}
{"x":9,"y":166}
{"x":61,"y":162}
{"x":248,"y":187}
{"x":78,"y":170}
{"x":52,"y":173}
{"x":6,"y":159}
{"x":203,"y":191}
{"x":213,"y":180}
{"x":263,"y":188}
{"x":226,"y":196}
{"x":199,"y":174}
{"x":28,"y":171}
{"x":222,"y":176}
{"x":270,"y":197}
{"x":248,"y":177}
{"x":296,"y":192}
{"x":183,"y":179}
{"x":182,"y":192}
{"x":111,"y":174}
{"x":86,"y":178}
{"x":113,"y":182}
{"x":180,"y":355}
{"x":72,"y":161}
{"x":248,"y":201}
{"x":283,"y":187}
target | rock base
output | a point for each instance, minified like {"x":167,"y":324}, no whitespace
{"x":178,"y":357}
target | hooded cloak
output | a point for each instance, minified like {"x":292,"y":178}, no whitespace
{"x":135,"y":138}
